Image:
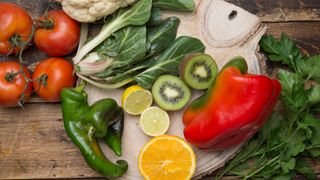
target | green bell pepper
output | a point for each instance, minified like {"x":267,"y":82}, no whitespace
{"x":84,"y":124}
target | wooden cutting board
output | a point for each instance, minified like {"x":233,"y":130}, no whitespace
{"x":227,"y":31}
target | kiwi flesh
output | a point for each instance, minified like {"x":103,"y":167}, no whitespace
{"x":198,"y":70}
{"x":170,"y":92}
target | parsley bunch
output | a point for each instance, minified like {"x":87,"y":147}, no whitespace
{"x":292,"y":132}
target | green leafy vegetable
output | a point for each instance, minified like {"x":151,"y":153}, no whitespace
{"x":175,"y":5}
{"x":155,"y":17}
{"x":138,"y":14}
{"x":133,"y":45}
{"x":127,"y":45}
{"x":169,"y":61}
{"x":304,"y":168}
{"x":310,"y":68}
{"x":291,"y":132}
{"x":284,"y":50}
{"x":162,"y":36}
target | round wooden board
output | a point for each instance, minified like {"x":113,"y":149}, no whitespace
{"x":225,"y":36}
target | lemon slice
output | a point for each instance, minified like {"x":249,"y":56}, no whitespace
{"x":135,"y":100}
{"x":154,"y":121}
{"x":167,"y":157}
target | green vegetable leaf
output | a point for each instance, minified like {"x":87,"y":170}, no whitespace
{"x":272,"y":125}
{"x":293,"y":94}
{"x":162,"y":36}
{"x":295,"y":145}
{"x":283,"y":50}
{"x":309,"y":68}
{"x":155,"y":18}
{"x":310,"y":121}
{"x":314,"y":147}
{"x":304,"y":168}
{"x":175,"y":5}
{"x":314,"y":95}
{"x":136,"y":15}
{"x":126,"y":46}
{"x":314,"y":152}
{"x":169,"y":60}
{"x":289,"y":165}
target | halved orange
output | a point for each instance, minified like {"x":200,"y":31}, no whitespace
{"x":167,"y":157}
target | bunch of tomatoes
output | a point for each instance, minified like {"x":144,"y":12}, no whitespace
{"x":56,"y":34}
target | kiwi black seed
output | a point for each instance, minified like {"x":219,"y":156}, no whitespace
{"x":198,"y":70}
{"x":170,"y":93}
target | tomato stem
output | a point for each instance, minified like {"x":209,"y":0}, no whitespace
{"x":45,"y":24}
{"x":9,"y":77}
{"x":43,"y":80}
{"x":22,"y":45}
{"x":15,"y":42}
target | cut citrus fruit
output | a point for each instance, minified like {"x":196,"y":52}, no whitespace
{"x":135,"y":100}
{"x":167,"y":157}
{"x":154,"y":121}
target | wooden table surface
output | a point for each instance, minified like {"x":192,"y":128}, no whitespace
{"x":33,"y":144}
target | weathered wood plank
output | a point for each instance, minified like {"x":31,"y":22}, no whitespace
{"x":282,"y":10}
{"x":33,"y":144}
{"x":269,"y":11}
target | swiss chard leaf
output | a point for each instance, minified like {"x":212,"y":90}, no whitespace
{"x":162,"y":36}
{"x":136,"y":15}
{"x":169,"y":60}
{"x":155,"y":17}
{"x":175,"y":5}
{"x":126,"y":46}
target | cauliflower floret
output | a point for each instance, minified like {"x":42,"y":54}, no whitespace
{"x":92,"y":10}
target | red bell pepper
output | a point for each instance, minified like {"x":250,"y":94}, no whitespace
{"x":232,"y":110}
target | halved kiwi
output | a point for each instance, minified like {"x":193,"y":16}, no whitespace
{"x":198,"y":70}
{"x":170,"y":92}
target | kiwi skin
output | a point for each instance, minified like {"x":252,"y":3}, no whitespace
{"x":188,"y":65}
{"x":171,"y":82}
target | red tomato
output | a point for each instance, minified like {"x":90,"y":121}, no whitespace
{"x":59,"y":34}
{"x":55,"y":74}
{"x":12,"y":84}
{"x":15,"y":27}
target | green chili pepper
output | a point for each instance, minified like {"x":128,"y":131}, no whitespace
{"x":113,"y":137}
{"x":84,"y":123}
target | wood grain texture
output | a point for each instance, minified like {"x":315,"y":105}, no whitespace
{"x":267,"y":10}
{"x":282,"y":10}
{"x":33,"y":144}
